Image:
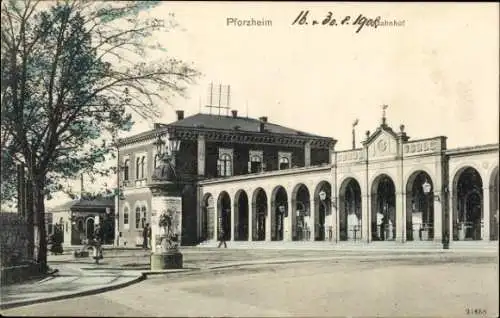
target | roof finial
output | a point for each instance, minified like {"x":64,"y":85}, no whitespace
{"x":384,"y":107}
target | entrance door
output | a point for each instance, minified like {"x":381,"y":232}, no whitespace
{"x":89,"y":229}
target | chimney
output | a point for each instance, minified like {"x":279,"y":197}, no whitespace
{"x":235,"y":113}
{"x":180,"y":114}
{"x":263,"y":119}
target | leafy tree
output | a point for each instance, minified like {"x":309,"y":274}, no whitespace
{"x":73,"y":72}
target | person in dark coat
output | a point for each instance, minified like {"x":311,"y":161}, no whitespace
{"x":146,"y":234}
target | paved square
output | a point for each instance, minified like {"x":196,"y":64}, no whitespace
{"x":351,"y":287}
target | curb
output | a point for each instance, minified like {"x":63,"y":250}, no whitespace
{"x":72,"y":295}
{"x":364,"y":258}
{"x":144,"y":275}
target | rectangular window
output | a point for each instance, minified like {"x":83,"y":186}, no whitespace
{"x":224,"y":166}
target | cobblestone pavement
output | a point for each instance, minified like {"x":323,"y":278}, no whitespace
{"x":394,"y":286}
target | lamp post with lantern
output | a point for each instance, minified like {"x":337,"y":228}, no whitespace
{"x":281,"y":216}
{"x":321,"y":224}
{"x":427,"y":188}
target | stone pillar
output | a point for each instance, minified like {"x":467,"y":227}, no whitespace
{"x":400,"y":220}
{"x":335,"y":219}
{"x":312,"y":218}
{"x":287,"y":222}
{"x":438,"y":218}
{"x":485,"y":231}
{"x":366,"y":222}
{"x":165,"y":202}
{"x":450,"y":214}
{"x":307,"y":154}
{"x":268,"y":220}
{"x":250,"y":220}
{"x":201,"y":155}
{"x":217,"y":214}
{"x":232,"y":222}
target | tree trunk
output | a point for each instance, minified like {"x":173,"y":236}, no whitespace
{"x":40,"y":250}
{"x":30,"y":217}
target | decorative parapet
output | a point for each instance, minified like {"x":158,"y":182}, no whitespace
{"x":351,"y":156}
{"x":426,"y":146}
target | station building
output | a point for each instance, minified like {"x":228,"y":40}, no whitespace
{"x":253,"y":180}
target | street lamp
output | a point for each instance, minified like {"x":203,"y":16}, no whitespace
{"x":426,"y":187}
{"x":159,"y":144}
{"x":322,"y":195}
{"x":281,"y":215}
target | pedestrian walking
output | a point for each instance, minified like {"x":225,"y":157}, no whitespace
{"x":145,"y":236}
{"x":97,"y":244}
{"x":222,"y":239}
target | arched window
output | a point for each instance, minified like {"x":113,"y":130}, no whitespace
{"x":126,"y":171}
{"x":137,"y":168}
{"x":156,"y":161}
{"x":126,"y":218}
{"x":143,"y":220}
{"x":224,"y":166}
{"x":284,"y":163}
{"x":137,"y":217}
{"x":255,"y":164}
{"x":143,"y":163}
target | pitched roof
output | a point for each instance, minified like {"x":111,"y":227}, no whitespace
{"x":63,"y":207}
{"x":231,"y":123}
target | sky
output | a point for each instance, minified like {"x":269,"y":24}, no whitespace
{"x":437,"y":71}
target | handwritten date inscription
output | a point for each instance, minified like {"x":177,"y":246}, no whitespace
{"x":329,"y":20}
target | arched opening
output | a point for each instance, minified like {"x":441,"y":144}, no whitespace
{"x":350,"y":217}
{"x":259,"y":214}
{"x":89,"y":227}
{"x":383,"y":214}
{"x":301,"y":209}
{"x":224,"y":216}
{"x":468,"y":205}
{"x":494,"y":205}
{"x":241,"y":216}
{"x":322,"y":209}
{"x":419,"y":207}
{"x":207,"y":218}
{"x":279,"y":212}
